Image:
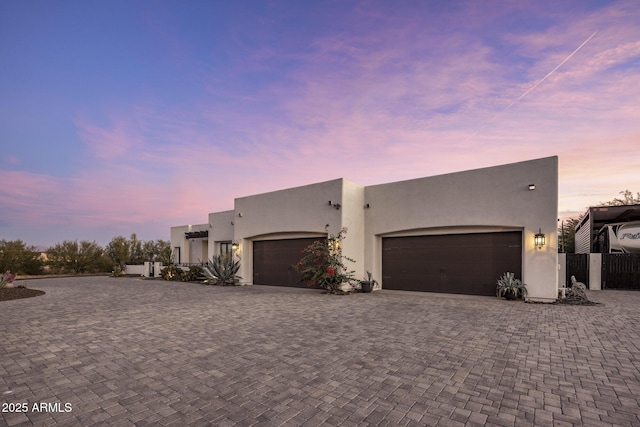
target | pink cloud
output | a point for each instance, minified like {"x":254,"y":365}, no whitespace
{"x":112,"y":142}
{"x":371,"y":108}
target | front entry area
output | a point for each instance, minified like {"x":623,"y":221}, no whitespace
{"x":453,"y":263}
{"x":273,"y":261}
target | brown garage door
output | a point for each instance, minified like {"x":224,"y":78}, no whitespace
{"x":454,"y":263}
{"x":272,"y":261}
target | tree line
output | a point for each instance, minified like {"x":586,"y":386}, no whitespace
{"x":73,"y":257}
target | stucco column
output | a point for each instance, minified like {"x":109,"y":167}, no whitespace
{"x":595,"y":272}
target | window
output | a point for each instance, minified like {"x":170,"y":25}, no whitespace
{"x":225,"y":248}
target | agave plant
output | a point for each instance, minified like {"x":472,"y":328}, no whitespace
{"x":221,"y":270}
{"x":510,"y":287}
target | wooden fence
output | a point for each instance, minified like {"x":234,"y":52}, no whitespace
{"x":620,"y":271}
{"x":617,"y":271}
{"x":578,"y":266}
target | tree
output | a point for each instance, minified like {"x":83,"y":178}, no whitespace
{"x":136,"y":253}
{"x":19,"y":258}
{"x":123,"y":251}
{"x":119,"y":251}
{"x":157,"y":251}
{"x":627,"y":199}
{"x":566,"y":235}
{"x":69,"y":256}
{"x":163,"y":252}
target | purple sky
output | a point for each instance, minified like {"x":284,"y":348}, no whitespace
{"x":134,"y":116}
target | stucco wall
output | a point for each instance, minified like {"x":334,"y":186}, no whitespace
{"x":191,"y":250}
{"x":221,"y":230}
{"x":353,"y":212}
{"x":476,"y":200}
{"x":294,"y":212}
{"x":178,"y":241}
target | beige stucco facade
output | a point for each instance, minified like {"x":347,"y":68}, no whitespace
{"x":483,"y":200}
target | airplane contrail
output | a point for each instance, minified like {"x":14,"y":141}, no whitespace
{"x":552,"y":71}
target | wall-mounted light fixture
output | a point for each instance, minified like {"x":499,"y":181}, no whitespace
{"x":532,"y":187}
{"x":239,"y":214}
{"x":335,"y":205}
{"x":539,"y":239}
{"x":235,"y":247}
{"x":334,"y":245}
{"x":366,"y":206}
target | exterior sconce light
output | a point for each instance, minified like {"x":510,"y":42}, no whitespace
{"x":539,"y":239}
{"x":235,"y":247}
{"x":366,"y":206}
{"x":335,"y":205}
{"x":532,"y":187}
{"x":239,"y":214}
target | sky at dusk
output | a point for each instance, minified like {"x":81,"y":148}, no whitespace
{"x":120,"y":117}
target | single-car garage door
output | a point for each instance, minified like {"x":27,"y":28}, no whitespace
{"x":273,"y":261}
{"x":453,"y":263}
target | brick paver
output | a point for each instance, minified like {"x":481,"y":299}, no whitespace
{"x":142,"y":352}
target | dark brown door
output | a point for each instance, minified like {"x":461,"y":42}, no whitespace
{"x":454,"y":263}
{"x":273,"y":261}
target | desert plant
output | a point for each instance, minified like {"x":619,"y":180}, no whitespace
{"x":16,"y":256}
{"x":510,"y":287}
{"x":6,"y":279}
{"x":172,"y":272}
{"x":75,"y":257}
{"x":221,"y":270}
{"x":369,"y":283}
{"x":193,"y":274}
{"x":323,"y":264}
{"x":117,"y":271}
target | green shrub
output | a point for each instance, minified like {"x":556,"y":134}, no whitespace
{"x":172,"y":272}
{"x":194,"y":274}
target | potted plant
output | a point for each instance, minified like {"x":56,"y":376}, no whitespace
{"x":510,"y":288}
{"x":369,"y":283}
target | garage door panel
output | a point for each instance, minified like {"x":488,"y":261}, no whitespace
{"x":461,"y":263}
{"x":273,"y":261}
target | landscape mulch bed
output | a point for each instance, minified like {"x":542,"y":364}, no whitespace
{"x":7,"y":294}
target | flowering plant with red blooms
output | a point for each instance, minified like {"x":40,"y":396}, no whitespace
{"x":322,"y":264}
{"x":6,"y":279}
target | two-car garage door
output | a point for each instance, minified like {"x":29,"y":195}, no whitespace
{"x":454,"y":263}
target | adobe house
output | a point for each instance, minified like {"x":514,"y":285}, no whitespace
{"x":453,"y":233}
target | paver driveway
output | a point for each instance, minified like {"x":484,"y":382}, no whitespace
{"x":130,"y":351}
